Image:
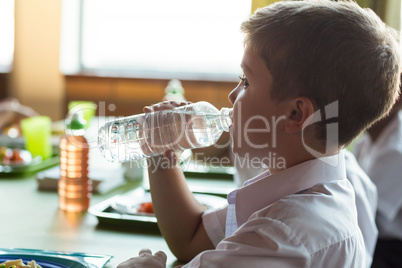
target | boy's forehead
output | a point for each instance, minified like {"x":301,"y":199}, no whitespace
{"x":245,"y":67}
{"x":247,"y":61}
{"x":251,"y":62}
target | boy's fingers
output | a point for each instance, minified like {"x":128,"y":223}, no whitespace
{"x":165,"y":105}
{"x":145,"y":251}
{"x":182,"y":103}
{"x":171,"y":155}
{"x":161,"y":256}
{"x":147,"y":109}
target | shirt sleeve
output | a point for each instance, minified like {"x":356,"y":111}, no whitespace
{"x":214,"y":223}
{"x":258,"y":243}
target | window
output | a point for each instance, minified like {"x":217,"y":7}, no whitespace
{"x":183,"y":39}
{"x":6,"y":34}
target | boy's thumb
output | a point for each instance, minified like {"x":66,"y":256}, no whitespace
{"x":171,"y":156}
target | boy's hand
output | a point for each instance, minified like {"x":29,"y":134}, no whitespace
{"x":169,"y":158}
{"x":146,"y":259}
{"x":165,"y":105}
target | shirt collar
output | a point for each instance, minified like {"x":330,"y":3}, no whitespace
{"x":262,"y":191}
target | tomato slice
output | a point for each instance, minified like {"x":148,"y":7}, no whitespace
{"x":146,"y":207}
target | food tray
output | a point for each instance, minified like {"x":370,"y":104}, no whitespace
{"x":37,"y":164}
{"x":108,"y":215}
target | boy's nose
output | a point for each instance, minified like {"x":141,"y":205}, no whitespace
{"x":233,"y":94}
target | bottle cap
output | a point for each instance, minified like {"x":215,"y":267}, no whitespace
{"x":76,"y":121}
{"x":174,"y":87}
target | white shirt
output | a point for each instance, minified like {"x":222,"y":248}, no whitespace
{"x":365,"y":196}
{"x":382,"y":161}
{"x":366,"y":203}
{"x":299,"y":217}
{"x":231,"y":220}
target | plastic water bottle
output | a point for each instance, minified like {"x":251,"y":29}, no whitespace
{"x":75,"y":187}
{"x":186,"y":127}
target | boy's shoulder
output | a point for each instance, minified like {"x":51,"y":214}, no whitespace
{"x":319,"y":217}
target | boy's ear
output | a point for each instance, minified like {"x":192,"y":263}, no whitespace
{"x":299,"y":110}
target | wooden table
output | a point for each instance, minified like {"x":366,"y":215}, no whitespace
{"x":31,"y":219}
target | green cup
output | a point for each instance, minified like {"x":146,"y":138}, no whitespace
{"x":88,"y":109}
{"x":37,"y":131}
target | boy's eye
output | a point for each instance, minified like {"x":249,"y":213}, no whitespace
{"x":244,"y":80}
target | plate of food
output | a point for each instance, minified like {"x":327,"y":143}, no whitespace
{"x":31,"y":258}
{"x":17,"y":160}
{"x":15,"y":156}
{"x":27,"y":261}
{"x":135,"y":203}
{"x":136,"y":207}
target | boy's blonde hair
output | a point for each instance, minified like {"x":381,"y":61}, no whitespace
{"x":329,"y":51}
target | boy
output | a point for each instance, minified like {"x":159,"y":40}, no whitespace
{"x":11,"y":112}
{"x":303,"y":60}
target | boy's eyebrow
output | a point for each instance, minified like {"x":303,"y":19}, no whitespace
{"x":245,"y":68}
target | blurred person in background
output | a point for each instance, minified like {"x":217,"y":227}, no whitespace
{"x":379,"y":153}
{"x":11,"y":112}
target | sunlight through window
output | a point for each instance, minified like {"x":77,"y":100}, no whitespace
{"x":159,"y":38}
{"x":6,"y":33}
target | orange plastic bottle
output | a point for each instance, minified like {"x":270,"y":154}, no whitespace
{"x":75,"y":186}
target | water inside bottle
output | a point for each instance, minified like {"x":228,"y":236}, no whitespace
{"x":154,"y":133}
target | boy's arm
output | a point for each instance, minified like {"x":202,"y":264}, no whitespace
{"x":177,"y":211}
